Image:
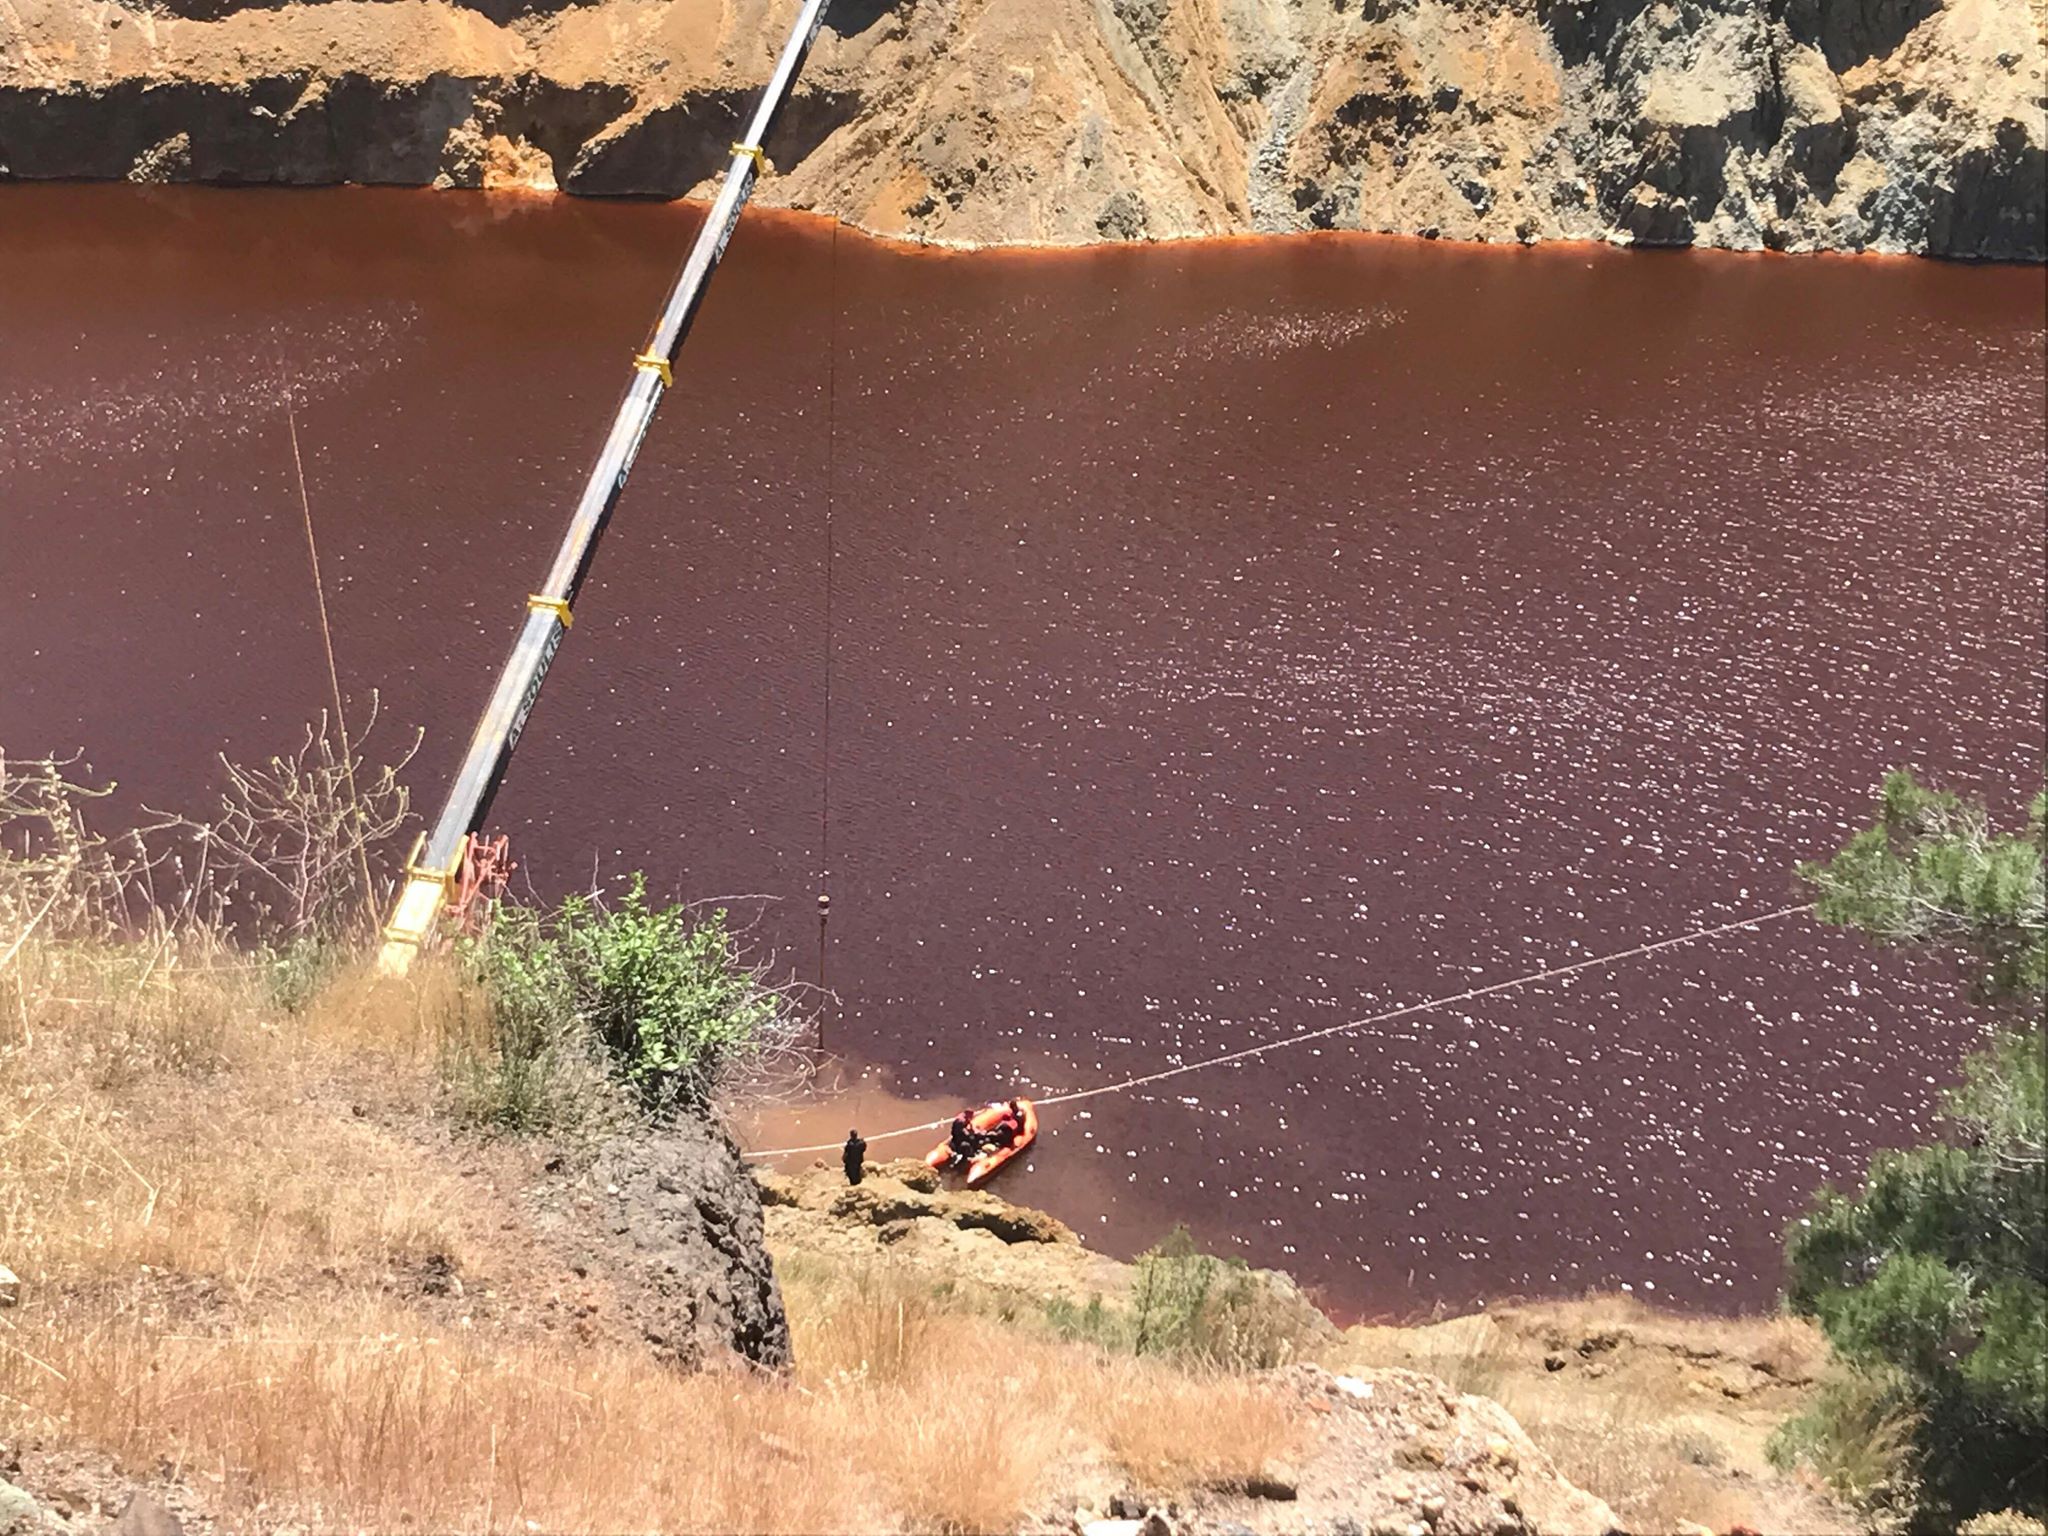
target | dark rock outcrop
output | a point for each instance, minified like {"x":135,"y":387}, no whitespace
{"x":674,"y":1218}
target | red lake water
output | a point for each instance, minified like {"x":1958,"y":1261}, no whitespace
{"x":1227,"y":641}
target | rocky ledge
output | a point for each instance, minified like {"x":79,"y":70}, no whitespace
{"x":904,"y":1211}
{"x":1890,"y":125}
{"x":1385,"y":1453}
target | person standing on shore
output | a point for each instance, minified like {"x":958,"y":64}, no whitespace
{"x":854,"y":1156}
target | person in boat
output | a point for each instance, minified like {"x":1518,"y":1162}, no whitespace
{"x":963,"y":1138}
{"x":854,"y":1156}
{"x":1008,"y":1128}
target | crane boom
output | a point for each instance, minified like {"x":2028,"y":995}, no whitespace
{"x":437,"y":858}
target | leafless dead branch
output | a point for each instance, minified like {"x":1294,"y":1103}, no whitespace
{"x":290,"y":848}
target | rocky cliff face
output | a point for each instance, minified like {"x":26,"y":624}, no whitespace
{"x":1898,"y":125}
{"x":670,"y":1220}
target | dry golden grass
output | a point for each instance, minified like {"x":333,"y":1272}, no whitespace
{"x":1648,"y":1473}
{"x":366,"y":1415}
{"x":1473,"y":1354}
{"x":213,"y":1206}
{"x":168,"y":1125}
{"x":966,"y":1463}
{"x":871,"y":1323}
{"x":1171,"y":1430}
{"x":362,"y":1415}
{"x":985,"y":1407}
{"x":1654,"y":1477}
{"x":988,"y":1407}
{"x":966,"y":1416}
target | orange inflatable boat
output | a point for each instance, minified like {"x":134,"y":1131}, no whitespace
{"x":991,"y":1158}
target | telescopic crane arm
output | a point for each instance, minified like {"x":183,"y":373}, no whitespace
{"x":436,"y":860}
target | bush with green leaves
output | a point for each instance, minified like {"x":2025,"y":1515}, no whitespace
{"x":521,"y":1062}
{"x":1859,"y":1434}
{"x":1931,"y":869}
{"x":1195,"y":1306}
{"x":1932,"y":1283}
{"x":662,"y":993}
{"x":295,"y":969}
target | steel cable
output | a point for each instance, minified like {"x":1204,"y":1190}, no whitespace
{"x":1406,"y":1010}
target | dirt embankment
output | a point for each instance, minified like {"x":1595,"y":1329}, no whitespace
{"x":1571,"y":1415}
{"x":1898,"y":125}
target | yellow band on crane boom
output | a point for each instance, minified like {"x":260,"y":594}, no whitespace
{"x":654,"y":362}
{"x":758,"y":155}
{"x":558,"y":606}
{"x":412,"y":919}
{"x":419,"y":903}
{"x":415,"y":871}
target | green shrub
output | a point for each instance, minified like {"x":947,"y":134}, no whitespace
{"x":661,"y":995}
{"x":524,"y":1075}
{"x":295,"y":969}
{"x":1093,"y":1324}
{"x":1932,"y":1282}
{"x":1930,"y":868}
{"x":667,"y":994}
{"x":1184,"y":1298}
{"x":513,"y":1055}
{"x":1194,"y":1306}
{"x":1859,"y":1434}
{"x":520,"y":1092}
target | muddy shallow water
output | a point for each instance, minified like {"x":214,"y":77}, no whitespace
{"x":1226,"y":641}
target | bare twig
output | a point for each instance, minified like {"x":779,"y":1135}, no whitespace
{"x":293,"y":836}
{"x":41,"y":913}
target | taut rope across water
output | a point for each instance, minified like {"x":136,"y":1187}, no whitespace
{"x":1551,"y":973}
